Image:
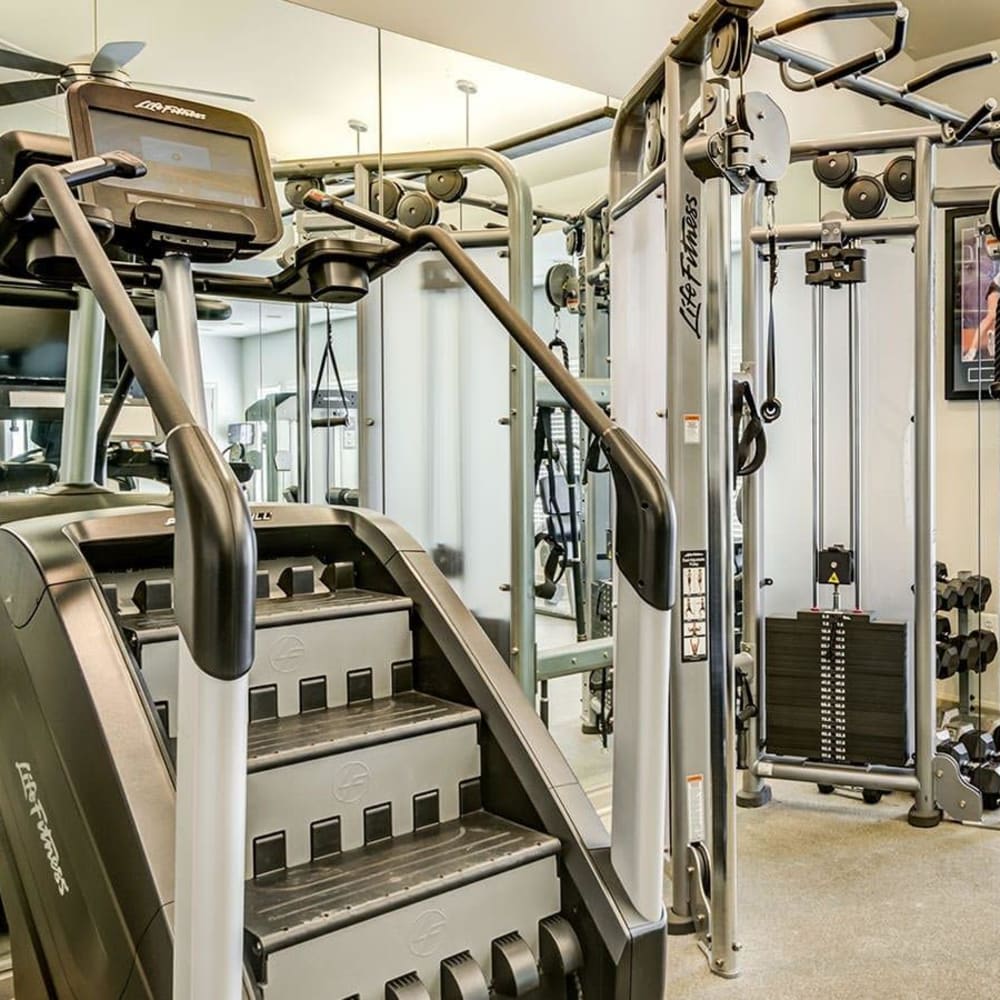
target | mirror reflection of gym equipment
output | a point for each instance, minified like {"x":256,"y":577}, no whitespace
{"x":465,"y":535}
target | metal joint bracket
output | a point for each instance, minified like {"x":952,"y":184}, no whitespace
{"x":953,"y":793}
{"x":832,"y":233}
{"x":700,"y":892}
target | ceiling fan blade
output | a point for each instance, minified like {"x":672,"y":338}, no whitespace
{"x":10,"y":59}
{"x":193,"y":90}
{"x":112,"y":56}
{"x":28,"y":90}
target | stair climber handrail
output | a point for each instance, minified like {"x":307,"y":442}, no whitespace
{"x":215,"y":547}
{"x":645,"y":524}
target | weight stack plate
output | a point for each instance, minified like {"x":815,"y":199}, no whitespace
{"x":600,"y":595}
{"x":837,"y":689}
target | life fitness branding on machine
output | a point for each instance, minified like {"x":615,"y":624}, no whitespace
{"x":690,"y":290}
{"x":37,"y":811}
{"x":170,"y":109}
{"x":255,"y":516}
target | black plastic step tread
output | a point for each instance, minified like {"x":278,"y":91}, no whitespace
{"x":310,"y":900}
{"x":279,"y":742}
{"x":272,"y":611}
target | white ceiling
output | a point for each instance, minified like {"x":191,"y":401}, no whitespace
{"x":939,"y":26}
{"x":309,"y":73}
{"x":591,"y":43}
{"x":605,"y":46}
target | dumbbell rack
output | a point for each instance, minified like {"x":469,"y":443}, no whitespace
{"x":957,"y":719}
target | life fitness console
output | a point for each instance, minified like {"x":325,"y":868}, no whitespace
{"x":207,"y":192}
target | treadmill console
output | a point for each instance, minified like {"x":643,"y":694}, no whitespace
{"x":208,"y":191}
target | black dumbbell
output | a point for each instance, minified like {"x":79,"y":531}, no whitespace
{"x":948,"y":660}
{"x":957,"y":751}
{"x":986,"y":777}
{"x":980,"y":744}
{"x":940,"y":571}
{"x":975,"y":592}
{"x":964,"y":591}
{"x":948,"y":597}
{"x":978,"y":651}
{"x":943,"y":626}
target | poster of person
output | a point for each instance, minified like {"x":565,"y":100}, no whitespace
{"x":973,"y":297}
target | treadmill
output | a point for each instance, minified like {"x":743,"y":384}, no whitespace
{"x":267,"y":752}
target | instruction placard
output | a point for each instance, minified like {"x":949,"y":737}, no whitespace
{"x":694,"y":606}
{"x":696,"y":808}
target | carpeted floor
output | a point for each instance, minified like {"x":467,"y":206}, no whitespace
{"x":838,"y":900}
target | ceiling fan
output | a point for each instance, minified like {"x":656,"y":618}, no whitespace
{"x":107,"y":65}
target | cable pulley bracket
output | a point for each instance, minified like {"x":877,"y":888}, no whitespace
{"x":755,"y":144}
{"x":834,"y":266}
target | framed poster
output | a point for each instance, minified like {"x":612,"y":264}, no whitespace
{"x":972,"y":293}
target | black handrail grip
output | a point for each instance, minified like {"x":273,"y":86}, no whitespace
{"x":833,"y":12}
{"x":926,"y":80}
{"x":972,"y":124}
{"x":214,"y":538}
{"x":645,"y":520}
{"x":861,"y":64}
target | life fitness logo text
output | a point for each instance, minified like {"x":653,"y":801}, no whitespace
{"x":37,"y":812}
{"x":169,"y":109}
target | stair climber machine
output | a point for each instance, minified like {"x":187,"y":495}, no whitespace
{"x":266,"y":752}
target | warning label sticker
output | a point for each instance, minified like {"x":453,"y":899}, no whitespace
{"x":696,"y":808}
{"x":694,"y":606}
{"x":692,"y":428}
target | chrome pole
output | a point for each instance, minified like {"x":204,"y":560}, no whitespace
{"x":818,"y":406}
{"x":303,"y":401}
{"x":83,"y":390}
{"x":177,"y":322}
{"x":754,"y":791}
{"x":211,"y":736}
{"x":854,"y":434}
{"x":925,"y":812}
{"x":722,"y":686}
{"x":371,"y":442}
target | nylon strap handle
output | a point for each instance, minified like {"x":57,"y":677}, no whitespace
{"x":770,"y":408}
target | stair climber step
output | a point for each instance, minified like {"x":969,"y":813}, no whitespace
{"x":408,"y":910}
{"x":315,"y":651}
{"x":337,"y":779}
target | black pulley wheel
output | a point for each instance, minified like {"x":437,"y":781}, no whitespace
{"x":561,"y":285}
{"x":835,"y":170}
{"x":995,"y":213}
{"x":898,"y":178}
{"x":446,"y":185}
{"x":298,"y":187}
{"x":384,"y":197}
{"x":865,"y":197}
{"x":825,"y":789}
{"x":732,"y":47}
{"x":417,"y":208}
{"x":872,"y":796}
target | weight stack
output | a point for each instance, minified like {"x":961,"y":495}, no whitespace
{"x":601,"y":605}
{"x":837,"y":689}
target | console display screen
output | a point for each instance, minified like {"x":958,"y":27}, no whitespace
{"x":182,"y":162}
